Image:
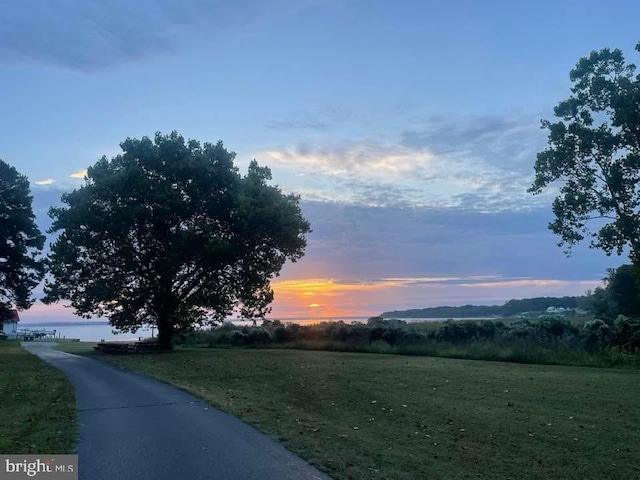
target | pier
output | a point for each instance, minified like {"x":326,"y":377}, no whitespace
{"x":35,"y":333}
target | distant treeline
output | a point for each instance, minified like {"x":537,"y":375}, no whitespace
{"x":512,"y":307}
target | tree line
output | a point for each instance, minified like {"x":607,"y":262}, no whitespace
{"x":512,"y":307}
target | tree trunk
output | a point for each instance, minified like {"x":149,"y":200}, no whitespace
{"x":165,"y":330}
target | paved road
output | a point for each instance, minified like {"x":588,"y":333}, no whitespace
{"x":135,"y":428}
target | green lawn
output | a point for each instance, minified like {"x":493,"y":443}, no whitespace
{"x":73,"y":346}
{"x":37,"y":405}
{"x":359,"y":415}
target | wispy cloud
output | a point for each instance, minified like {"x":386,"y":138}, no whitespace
{"x":79,"y":174}
{"x":480,"y":162}
{"x":328,"y":285}
{"x":428,"y":280}
{"x":89,"y":35}
{"x":506,"y":139}
{"x":364,"y":160}
{"x":533,"y":283}
{"x":48,"y":181}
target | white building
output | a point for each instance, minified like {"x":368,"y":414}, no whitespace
{"x":557,"y":310}
{"x":10,"y":326}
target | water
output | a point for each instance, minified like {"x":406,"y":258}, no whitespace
{"x":86,"y":332}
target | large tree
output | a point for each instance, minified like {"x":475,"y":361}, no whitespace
{"x":170,"y":233}
{"x":20,"y":243}
{"x":593,"y":156}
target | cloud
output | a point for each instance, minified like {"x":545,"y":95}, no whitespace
{"x":429,"y":280}
{"x":475,"y":162}
{"x":79,"y":174}
{"x":328,"y":285}
{"x":90,"y":35}
{"x":48,"y":181}
{"x":367,"y":173}
{"x":505,"y":138}
{"x":532,"y":283}
{"x":365,"y":160}
{"x":423,"y":243}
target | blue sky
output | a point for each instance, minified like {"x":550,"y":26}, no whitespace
{"x":409,"y":128}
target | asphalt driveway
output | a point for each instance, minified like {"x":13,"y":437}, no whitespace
{"x":135,"y":428}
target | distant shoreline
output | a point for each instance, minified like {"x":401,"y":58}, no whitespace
{"x":63,"y":324}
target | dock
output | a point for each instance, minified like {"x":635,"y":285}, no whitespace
{"x":35,"y":334}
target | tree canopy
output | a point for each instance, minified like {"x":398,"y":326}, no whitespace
{"x":20,"y":268}
{"x":594,"y":154}
{"x":621,"y":294}
{"x":170,"y":233}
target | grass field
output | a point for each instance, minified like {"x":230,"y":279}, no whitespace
{"x":359,"y":415}
{"x":490,"y":351}
{"x":72,"y":346}
{"x":37,"y":405}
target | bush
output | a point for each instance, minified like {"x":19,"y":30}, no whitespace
{"x":598,"y":334}
{"x":464,"y":332}
{"x":627,"y":332}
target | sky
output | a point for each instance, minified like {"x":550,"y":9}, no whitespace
{"x":408,"y":128}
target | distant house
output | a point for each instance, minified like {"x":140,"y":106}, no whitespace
{"x":557,"y":310}
{"x":10,"y":325}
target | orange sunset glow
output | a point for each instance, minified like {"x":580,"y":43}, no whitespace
{"x":330,"y":298}
{"x":325,"y":297}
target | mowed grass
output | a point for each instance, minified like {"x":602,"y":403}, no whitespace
{"x":37,"y":405}
{"x":73,"y":346}
{"x":362,"y":416}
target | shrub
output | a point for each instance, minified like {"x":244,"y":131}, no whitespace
{"x":545,"y":340}
{"x":598,"y":334}
{"x":627,"y":332}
